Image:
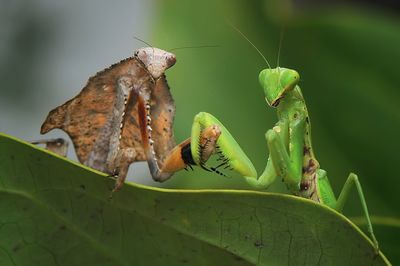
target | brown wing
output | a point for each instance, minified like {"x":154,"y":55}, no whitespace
{"x":162,"y":117}
{"x":85,"y":115}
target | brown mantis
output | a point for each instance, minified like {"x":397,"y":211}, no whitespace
{"x":125,"y":114}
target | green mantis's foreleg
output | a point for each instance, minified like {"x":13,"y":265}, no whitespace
{"x":287,"y":159}
{"x":266,"y":179}
{"x":352,"y":179}
{"x":230,"y":151}
{"x":269,"y":175}
{"x":286,"y":155}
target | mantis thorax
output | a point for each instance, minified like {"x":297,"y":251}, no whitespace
{"x":281,"y":91}
{"x":291,"y":108}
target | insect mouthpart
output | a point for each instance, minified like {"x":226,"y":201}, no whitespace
{"x":276,"y":102}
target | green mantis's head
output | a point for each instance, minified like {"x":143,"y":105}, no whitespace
{"x":276,"y":82}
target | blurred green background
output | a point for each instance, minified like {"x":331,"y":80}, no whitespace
{"x":347,"y":54}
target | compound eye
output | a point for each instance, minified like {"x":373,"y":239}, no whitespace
{"x":171,"y":60}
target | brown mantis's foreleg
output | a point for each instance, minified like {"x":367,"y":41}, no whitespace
{"x":120,"y":166}
{"x":181,"y":155}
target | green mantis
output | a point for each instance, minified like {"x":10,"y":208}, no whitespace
{"x":291,"y":155}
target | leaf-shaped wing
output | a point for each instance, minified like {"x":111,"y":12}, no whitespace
{"x":85,"y":116}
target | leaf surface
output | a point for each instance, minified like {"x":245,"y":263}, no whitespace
{"x":57,"y":212}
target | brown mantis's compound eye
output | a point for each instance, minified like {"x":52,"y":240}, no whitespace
{"x":171,"y":60}
{"x":143,"y":56}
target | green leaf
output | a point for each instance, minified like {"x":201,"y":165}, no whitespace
{"x":57,"y":212}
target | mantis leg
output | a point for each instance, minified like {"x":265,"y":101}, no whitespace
{"x":266,"y":179}
{"x":353,"y":180}
{"x":121,"y":165}
{"x":231,"y":154}
{"x":202,"y":143}
{"x":180,"y":157}
{"x":269,"y":175}
{"x":59,"y":146}
{"x":286,"y":151}
{"x":287,"y":161}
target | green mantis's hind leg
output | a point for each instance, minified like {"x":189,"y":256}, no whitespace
{"x":351,"y":180}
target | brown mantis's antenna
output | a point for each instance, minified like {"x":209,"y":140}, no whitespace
{"x":148,"y":44}
{"x":140,"y":40}
{"x":247,"y":39}
{"x":189,"y":47}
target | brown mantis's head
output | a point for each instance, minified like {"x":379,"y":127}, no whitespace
{"x":276,"y":82}
{"x":155,"y":60}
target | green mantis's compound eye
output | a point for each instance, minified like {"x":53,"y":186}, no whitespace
{"x":289,"y":78}
{"x":276,"y":82}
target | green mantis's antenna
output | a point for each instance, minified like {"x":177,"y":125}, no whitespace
{"x":247,"y":39}
{"x":189,"y":47}
{"x":279,"y":49}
